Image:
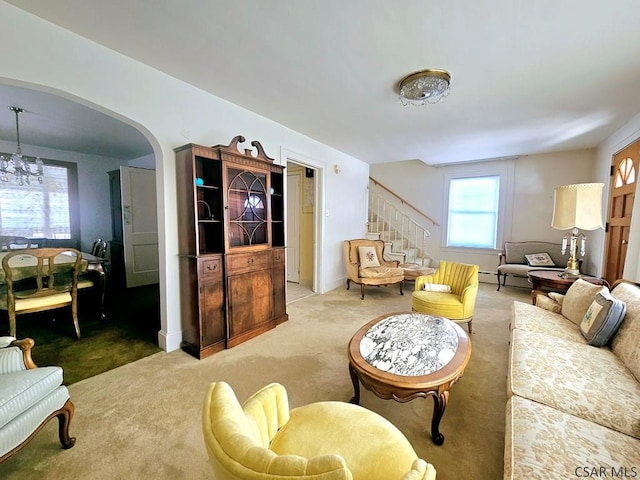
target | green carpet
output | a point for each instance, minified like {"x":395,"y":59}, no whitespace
{"x":128,"y":334}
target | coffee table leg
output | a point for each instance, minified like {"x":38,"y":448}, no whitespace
{"x":356,"y":386}
{"x":439,"y":405}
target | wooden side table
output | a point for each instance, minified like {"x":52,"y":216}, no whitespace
{"x":552,"y":281}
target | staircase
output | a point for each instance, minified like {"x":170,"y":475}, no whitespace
{"x":388,"y":220}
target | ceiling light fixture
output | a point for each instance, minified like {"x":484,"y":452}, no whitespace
{"x":17,"y":164}
{"x":426,"y":86}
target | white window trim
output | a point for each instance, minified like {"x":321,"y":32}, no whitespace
{"x":505,"y":171}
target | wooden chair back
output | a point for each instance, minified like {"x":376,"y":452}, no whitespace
{"x":99,"y":248}
{"x":40,"y":279}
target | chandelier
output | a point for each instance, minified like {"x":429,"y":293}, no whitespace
{"x":17,"y":164}
{"x":425,"y":86}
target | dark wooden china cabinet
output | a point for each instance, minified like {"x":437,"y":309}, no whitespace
{"x":231,"y":245}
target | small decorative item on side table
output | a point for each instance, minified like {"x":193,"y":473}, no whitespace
{"x":556,"y":281}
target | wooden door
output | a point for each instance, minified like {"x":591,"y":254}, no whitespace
{"x":624,"y":172}
{"x":140,"y":226}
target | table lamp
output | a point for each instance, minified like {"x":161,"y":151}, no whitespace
{"x":576,"y":207}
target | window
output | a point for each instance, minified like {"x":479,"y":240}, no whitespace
{"x":48,"y":210}
{"x":473,"y":212}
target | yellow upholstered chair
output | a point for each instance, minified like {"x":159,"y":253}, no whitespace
{"x":365,"y":264}
{"x":458,"y":303}
{"x":264,"y":440}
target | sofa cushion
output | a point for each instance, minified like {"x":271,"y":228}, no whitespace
{"x":578,"y":298}
{"x":521,"y":270}
{"x":625,"y":341}
{"x":21,"y":390}
{"x":589,"y":382}
{"x":534,"y":319}
{"x":543,"y":443}
{"x":381,"y":272}
{"x":372,"y":447}
{"x":602,"y":319}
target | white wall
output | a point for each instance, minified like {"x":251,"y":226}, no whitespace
{"x":530,"y":211}
{"x":93,"y":188}
{"x":616,"y":142}
{"x":169,"y":113}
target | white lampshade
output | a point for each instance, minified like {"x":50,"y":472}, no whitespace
{"x":578,"y":206}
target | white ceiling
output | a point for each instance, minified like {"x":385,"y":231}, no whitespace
{"x":527,"y":76}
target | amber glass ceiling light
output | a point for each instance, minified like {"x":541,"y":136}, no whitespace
{"x":577,"y":207}
{"x":17,"y":164}
{"x":426,"y":86}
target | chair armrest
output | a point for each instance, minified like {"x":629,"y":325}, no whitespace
{"x":16,"y":356}
{"x":389,"y":263}
{"x":420,"y":470}
{"x":501,"y":257}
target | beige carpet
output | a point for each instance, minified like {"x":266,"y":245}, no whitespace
{"x":142,"y":420}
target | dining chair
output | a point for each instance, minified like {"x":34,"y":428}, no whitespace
{"x":40,"y":279}
{"x":99,"y":248}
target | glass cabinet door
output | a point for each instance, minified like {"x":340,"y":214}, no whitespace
{"x":247,"y":197}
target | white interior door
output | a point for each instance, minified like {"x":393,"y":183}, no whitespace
{"x":293,"y":228}
{"x":140,"y":226}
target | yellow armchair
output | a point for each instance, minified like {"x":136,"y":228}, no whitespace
{"x":264,"y":440}
{"x":458,"y":304}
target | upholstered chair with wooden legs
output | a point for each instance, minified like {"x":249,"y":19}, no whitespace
{"x":30,"y":396}
{"x":264,"y":440}
{"x":365,"y":264}
{"x":449,"y":292}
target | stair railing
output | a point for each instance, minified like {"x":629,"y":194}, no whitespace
{"x":384,"y":216}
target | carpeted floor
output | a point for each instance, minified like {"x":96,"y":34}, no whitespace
{"x":129,"y":333}
{"x":142,"y":420}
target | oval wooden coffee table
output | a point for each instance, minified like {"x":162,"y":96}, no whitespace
{"x":404,"y":355}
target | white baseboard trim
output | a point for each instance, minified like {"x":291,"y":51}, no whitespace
{"x":171,"y":342}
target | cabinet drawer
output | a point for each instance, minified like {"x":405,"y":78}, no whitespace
{"x":277,"y":256}
{"x":210,"y":267}
{"x":241,"y":262}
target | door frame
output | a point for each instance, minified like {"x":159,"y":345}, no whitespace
{"x":606,"y":238}
{"x":319,"y":224}
{"x":293,"y":231}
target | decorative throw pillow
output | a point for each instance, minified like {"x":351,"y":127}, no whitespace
{"x":547,"y":303}
{"x":578,"y":298}
{"x":368,"y":257}
{"x":558,"y":297}
{"x":602,"y":319}
{"x":539,"y":260}
{"x":436,"y":287}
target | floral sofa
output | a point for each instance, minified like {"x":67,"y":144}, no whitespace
{"x":573,"y":408}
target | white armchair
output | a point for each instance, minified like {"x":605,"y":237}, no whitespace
{"x":30,"y":396}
